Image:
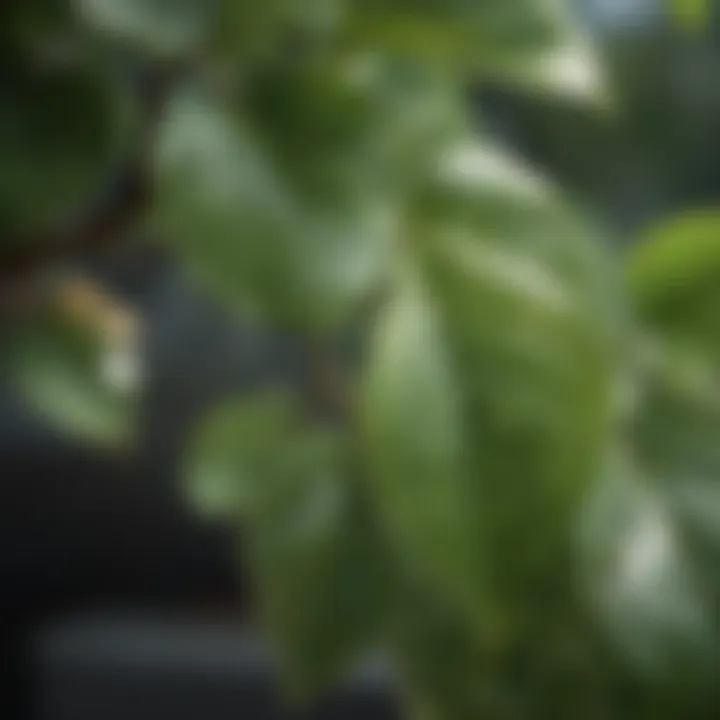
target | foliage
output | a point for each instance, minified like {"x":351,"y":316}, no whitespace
{"x":693,"y":13}
{"x":514,"y":492}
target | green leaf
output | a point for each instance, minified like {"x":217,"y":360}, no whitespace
{"x":229,"y":451}
{"x":649,"y":535}
{"x":446,"y":674}
{"x":488,"y":393}
{"x":483,"y":34}
{"x":356,"y":116}
{"x":62,"y":133}
{"x":322,"y":575}
{"x":569,"y":71}
{"x":577,"y":143}
{"x":296,"y":217}
{"x":75,"y":381}
{"x":487,"y":403}
{"x":481,"y":188}
{"x":553,"y":671}
{"x":417,"y":462}
{"x":673,"y":276}
{"x":642,"y":576}
{"x":676,"y":437}
{"x":161,"y":27}
{"x":217,"y":200}
{"x":480,"y":34}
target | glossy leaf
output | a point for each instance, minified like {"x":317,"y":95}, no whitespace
{"x":677,"y":438}
{"x":673,"y":276}
{"x":446,"y":672}
{"x":214,"y":189}
{"x":487,"y":402}
{"x":643,"y":578}
{"x":323,"y":576}
{"x":651,"y":521}
{"x":569,"y":71}
{"x":536,"y":410}
{"x":677,"y":254}
{"x":413,"y":435}
{"x":489,"y":191}
{"x":322,"y":579}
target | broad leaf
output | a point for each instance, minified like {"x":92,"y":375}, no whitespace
{"x":322,"y":579}
{"x":650,"y":528}
{"x":413,"y":435}
{"x":643,"y":578}
{"x":297,"y":216}
{"x":569,"y":71}
{"x":673,"y":276}
{"x":485,"y":189}
{"x":578,"y":144}
{"x":676,"y":437}
{"x":487,"y":401}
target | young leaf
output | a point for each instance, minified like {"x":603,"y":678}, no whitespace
{"x":673,"y":277}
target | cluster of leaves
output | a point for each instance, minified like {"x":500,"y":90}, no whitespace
{"x":515,"y":492}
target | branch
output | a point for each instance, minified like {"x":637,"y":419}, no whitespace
{"x":98,"y":229}
{"x":103,"y":227}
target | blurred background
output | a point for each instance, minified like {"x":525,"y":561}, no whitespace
{"x":116,"y":601}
